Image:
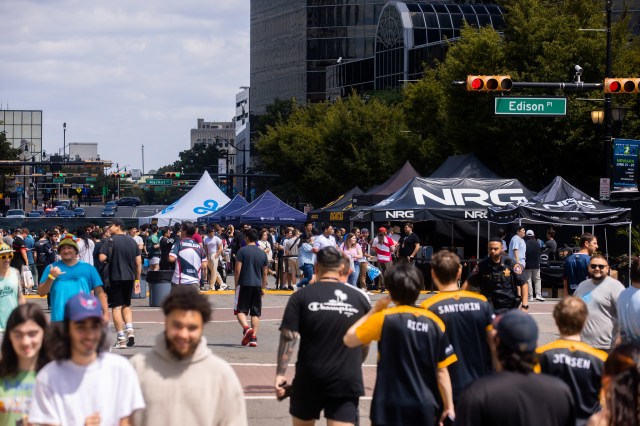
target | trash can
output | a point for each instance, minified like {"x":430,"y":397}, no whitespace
{"x":143,"y":290}
{"x":159,"y":286}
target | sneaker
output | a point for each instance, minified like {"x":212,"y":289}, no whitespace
{"x":539,"y":298}
{"x":131,"y":337}
{"x":253,"y":342}
{"x":224,"y":287}
{"x":120,"y":344}
{"x":247,"y":334}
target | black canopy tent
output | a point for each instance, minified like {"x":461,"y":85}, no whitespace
{"x":465,"y":165}
{"x":561,"y":203}
{"x":391,"y":185}
{"x":447,"y":199}
{"x":336,"y":210}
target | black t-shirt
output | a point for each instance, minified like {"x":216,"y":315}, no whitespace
{"x":467,"y":317}
{"x":509,"y":398}
{"x":408,"y":244}
{"x":165,"y":246}
{"x":497,"y":282}
{"x":122,"y":265}
{"x":550,"y":249}
{"x":322,"y":313}
{"x":533,"y":254}
{"x":578,"y":365}
{"x":254,"y":260}
{"x":412,"y":346}
{"x":18,"y":245}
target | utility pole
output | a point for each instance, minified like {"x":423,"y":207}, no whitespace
{"x":608,"y":132}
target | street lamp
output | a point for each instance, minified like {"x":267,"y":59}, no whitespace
{"x":608,"y":131}
{"x":64,"y":140}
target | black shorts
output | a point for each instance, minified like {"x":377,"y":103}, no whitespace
{"x":308,"y":407}
{"x":248,"y":300}
{"x":119,"y":293}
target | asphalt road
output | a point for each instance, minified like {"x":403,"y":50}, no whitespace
{"x":256,"y":366}
{"x":124,"y":211}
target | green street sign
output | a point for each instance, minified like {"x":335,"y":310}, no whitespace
{"x":159,"y":188}
{"x":90,"y":179}
{"x":161,"y":182}
{"x":58,"y":180}
{"x":528,"y":106}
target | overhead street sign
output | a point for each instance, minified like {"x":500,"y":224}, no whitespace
{"x":90,"y":179}
{"x":529,"y":106}
{"x":160,"y":182}
{"x":58,"y":180}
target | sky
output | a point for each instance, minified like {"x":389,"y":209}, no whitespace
{"x":124,"y":73}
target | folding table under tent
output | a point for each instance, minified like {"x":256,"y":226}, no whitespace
{"x":204,"y":198}
{"x":266,"y":209}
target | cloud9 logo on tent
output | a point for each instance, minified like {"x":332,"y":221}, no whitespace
{"x":470,"y":196}
{"x":210,"y":206}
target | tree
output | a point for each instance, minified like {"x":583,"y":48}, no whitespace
{"x":6,"y":151}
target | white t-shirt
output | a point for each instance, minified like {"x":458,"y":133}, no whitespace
{"x":138,"y":239}
{"x":212,"y":244}
{"x":85,"y":251}
{"x":321,"y":242}
{"x":66,"y":393}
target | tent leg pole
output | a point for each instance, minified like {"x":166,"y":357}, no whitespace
{"x":629,"y":262}
{"x":478,"y":242}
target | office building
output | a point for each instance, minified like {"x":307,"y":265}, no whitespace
{"x":23,"y":130}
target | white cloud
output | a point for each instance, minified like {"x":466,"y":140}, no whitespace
{"x":124,"y":72}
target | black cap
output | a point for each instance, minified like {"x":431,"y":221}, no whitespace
{"x":517,"y":331}
{"x":117,"y":221}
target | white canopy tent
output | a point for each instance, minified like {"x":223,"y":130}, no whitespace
{"x":204,"y":198}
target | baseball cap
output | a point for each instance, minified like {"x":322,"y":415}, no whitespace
{"x":4,"y":248}
{"x":529,"y":233}
{"x":117,"y":221}
{"x":382,"y":230}
{"x":518,"y":331}
{"x":69,"y":240}
{"x":82,"y":306}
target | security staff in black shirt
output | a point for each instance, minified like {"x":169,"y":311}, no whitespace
{"x":497,"y":281}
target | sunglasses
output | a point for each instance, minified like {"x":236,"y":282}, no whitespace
{"x":6,"y":256}
{"x":598,"y":266}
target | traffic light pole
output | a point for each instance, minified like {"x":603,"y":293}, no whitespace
{"x":608,"y":131}
{"x":545,"y":85}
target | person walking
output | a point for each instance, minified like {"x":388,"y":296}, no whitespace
{"x":189,"y":257}
{"x":384,"y":247}
{"x":515,"y":395}
{"x":213,"y":248}
{"x":85,"y":385}
{"x":10,"y":289}
{"x":22,"y":355}
{"x":468,"y":318}
{"x":600,"y":293}
{"x":250,"y":276}
{"x":306,"y":259}
{"x":182,"y":365}
{"x":353,"y":251}
{"x":409,"y":244}
{"x":629,"y":306}
{"x":69,"y":276}
{"x":518,"y":250}
{"x":576,"y":266}
{"x":124,"y":263}
{"x":411,"y":343}
{"x":532,"y":267}
{"x":497,"y":280}
{"x":166,"y":244}
{"x":576,"y":363}
{"x":328,"y":374}
{"x":45,"y":255}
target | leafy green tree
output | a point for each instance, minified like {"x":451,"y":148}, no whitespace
{"x":6,"y":151}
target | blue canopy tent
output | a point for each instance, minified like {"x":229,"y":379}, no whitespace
{"x":237,"y":203}
{"x":266,"y":209}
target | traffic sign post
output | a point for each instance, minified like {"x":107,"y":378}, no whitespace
{"x":530,"y":106}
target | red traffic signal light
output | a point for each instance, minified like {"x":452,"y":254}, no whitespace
{"x":58,"y":174}
{"x":489,"y":83}
{"x":622,"y":85}
{"x":172,"y":174}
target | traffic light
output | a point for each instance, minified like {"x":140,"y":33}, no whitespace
{"x":489,"y":83}
{"x":622,"y":85}
{"x":172,"y":174}
{"x":58,"y":174}
{"x":120,"y":175}
{"x":183,"y":183}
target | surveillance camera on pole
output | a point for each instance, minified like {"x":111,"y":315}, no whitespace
{"x":579,"y":71}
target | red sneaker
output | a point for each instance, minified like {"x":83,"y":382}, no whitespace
{"x":253,"y":342}
{"x":247,"y":334}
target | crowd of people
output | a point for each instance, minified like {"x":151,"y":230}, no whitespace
{"x":466,"y":355}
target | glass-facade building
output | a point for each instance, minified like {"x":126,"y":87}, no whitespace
{"x":23,"y":130}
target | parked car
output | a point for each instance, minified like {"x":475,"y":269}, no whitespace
{"x":108,"y":211}
{"x":66,"y":213}
{"x":15,"y":213}
{"x":67,"y":203}
{"x":51,"y":212}
{"x":36,"y":213}
{"x":79,"y":212}
{"x":59,"y":208}
{"x":112,"y":204}
{"x":129,"y":201}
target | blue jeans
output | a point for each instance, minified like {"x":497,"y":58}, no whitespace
{"x":307,"y":273}
{"x":353,"y":277}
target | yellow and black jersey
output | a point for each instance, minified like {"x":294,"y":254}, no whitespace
{"x":412,"y":345}
{"x":467,"y":317}
{"x":580,"y":366}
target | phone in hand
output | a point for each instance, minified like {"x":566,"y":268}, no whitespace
{"x":287,"y":391}
{"x":448,"y":421}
